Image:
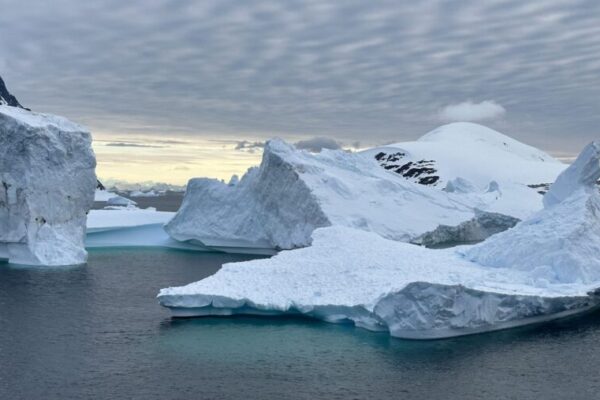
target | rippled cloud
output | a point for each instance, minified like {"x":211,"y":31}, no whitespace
{"x":371,"y":71}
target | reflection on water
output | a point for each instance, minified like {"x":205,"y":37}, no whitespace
{"x":96,"y":331}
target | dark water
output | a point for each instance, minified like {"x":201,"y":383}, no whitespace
{"x":96,"y":332}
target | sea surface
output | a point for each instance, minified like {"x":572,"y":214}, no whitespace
{"x":97,"y":332}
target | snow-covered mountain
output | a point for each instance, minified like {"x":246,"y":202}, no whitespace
{"x":468,"y":151}
{"x":6,"y":98}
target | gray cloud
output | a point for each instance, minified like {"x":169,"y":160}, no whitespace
{"x":249,"y":146}
{"x":353,"y":70}
{"x":317,"y":144}
{"x":469,"y":111}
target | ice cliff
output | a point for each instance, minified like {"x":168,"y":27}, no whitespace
{"x":47,"y":183}
{"x":544,"y":268}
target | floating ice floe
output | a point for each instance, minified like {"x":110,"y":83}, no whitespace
{"x":544,"y":268}
{"x":120,"y":201}
{"x":132,"y":227}
{"x":293,"y":192}
{"x":47,"y":184}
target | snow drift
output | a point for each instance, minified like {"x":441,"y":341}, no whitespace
{"x":47,"y":184}
{"x":349,"y":275}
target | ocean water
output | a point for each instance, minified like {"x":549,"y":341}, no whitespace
{"x":97,"y":332}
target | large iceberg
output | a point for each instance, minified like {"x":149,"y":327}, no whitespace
{"x":279,"y":204}
{"x":350,"y":275}
{"x":47,"y":184}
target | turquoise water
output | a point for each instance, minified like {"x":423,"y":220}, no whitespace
{"x":97,"y":332}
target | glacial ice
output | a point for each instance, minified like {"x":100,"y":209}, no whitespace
{"x":47,"y":187}
{"x":279,"y":204}
{"x":354,"y":276}
{"x":561,"y":243}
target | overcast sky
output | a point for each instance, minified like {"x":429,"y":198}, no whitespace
{"x":368,"y":71}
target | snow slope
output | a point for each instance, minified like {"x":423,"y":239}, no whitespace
{"x":349,"y":275}
{"x":279,"y":204}
{"x":47,"y":184}
{"x":469,"y":151}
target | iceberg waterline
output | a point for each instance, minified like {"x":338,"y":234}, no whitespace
{"x":349,"y":275}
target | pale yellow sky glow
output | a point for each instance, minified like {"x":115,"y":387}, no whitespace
{"x":169,"y":159}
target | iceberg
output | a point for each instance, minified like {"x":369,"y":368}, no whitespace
{"x":561,"y":243}
{"x":47,"y":184}
{"x":132,"y":227}
{"x":349,"y":275}
{"x":279,"y":204}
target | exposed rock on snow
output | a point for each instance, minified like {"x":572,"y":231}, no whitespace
{"x":47,"y":184}
{"x":293,"y":192}
{"x":7,"y":99}
{"x":479,"y":228}
{"x":544,"y":268}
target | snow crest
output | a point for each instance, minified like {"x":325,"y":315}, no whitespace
{"x":47,"y":184}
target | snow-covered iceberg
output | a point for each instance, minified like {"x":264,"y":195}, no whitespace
{"x":47,"y":184}
{"x":279,"y":204}
{"x":561,"y":243}
{"x":350,"y":275}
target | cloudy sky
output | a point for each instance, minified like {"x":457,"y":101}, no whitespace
{"x":210,"y":74}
